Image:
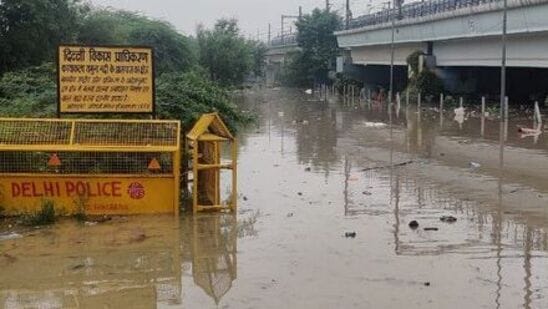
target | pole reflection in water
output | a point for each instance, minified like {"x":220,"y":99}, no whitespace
{"x":497,"y":224}
{"x":214,"y":259}
{"x":282,"y":131}
{"x":347,"y":169}
{"x":419,"y":126}
{"x":394,"y":188}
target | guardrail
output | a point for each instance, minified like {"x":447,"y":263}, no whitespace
{"x":414,"y":10}
{"x":286,"y":40}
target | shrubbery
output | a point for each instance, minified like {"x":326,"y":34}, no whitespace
{"x":45,"y":216}
{"x":191,"y":74}
{"x":423,"y":80}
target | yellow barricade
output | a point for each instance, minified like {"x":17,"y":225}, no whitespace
{"x":90,"y":166}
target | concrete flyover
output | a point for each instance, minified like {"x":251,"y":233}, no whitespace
{"x":456,"y":34}
{"x":276,"y":55}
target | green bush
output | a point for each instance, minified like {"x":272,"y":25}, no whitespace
{"x":428,"y":83}
{"x":186,"y":96}
{"x":45,"y":216}
{"x":413,"y":61}
{"x":30,"y":92}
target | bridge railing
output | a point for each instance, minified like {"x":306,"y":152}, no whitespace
{"x":414,"y":10}
{"x":286,"y":40}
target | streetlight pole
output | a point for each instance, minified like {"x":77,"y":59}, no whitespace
{"x":503,"y":61}
{"x":393,"y":21}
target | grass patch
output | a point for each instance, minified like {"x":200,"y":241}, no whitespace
{"x":45,"y":216}
{"x":80,"y":214}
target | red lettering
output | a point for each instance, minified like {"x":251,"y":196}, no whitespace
{"x":70,"y":187}
{"x":104,"y":189}
{"x":80,"y":188}
{"x":49,"y":190}
{"x":15,"y":189}
{"x":35,"y":193}
{"x":90,"y":193}
{"x":27,"y":189}
{"x":116,"y":189}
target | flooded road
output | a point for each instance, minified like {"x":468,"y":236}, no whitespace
{"x":327,"y":193}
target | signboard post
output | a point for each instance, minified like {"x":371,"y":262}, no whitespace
{"x":105,"y":79}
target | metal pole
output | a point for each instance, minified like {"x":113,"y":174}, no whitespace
{"x":282,"y":30}
{"x":392,"y":57}
{"x":441,"y":110}
{"x":503,"y":60}
{"x":347,"y":14}
{"x":482,"y":116}
{"x":441,"y":102}
{"x":269,"y":33}
{"x":505,"y":118}
{"x":538,"y":117}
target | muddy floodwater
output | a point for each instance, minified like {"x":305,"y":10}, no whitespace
{"x":327,"y":193}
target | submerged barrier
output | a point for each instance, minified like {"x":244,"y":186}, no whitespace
{"x":89,"y":166}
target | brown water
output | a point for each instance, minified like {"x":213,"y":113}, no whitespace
{"x":309,"y":173}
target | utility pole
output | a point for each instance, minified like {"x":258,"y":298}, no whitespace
{"x":327,"y":5}
{"x":393,"y":26}
{"x":283,"y":23}
{"x":348,"y":14}
{"x":282,"y":30}
{"x":503,"y":61}
{"x":300,"y":12}
{"x":269,"y":33}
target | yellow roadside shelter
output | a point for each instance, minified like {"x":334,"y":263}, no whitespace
{"x":205,"y":142}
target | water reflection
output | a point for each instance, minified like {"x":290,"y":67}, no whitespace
{"x":126,"y":263}
{"x":214,"y":259}
{"x":114,"y":265}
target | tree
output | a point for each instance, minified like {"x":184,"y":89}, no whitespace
{"x":30,"y":30}
{"x":173,"y":51}
{"x":224,"y":52}
{"x":186,"y":96}
{"x":258,"y":50}
{"x":29,"y":92}
{"x":315,"y":36}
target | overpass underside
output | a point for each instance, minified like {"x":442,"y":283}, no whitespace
{"x":464,"y":47}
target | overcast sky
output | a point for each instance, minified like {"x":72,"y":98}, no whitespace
{"x":253,"y":15}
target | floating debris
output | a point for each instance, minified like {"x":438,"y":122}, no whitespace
{"x":10,"y":236}
{"x":414,"y":224}
{"x":386,"y":166}
{"x":475,"y":165}
{"x":374,"y":124}
{"x":350,"y":234}
{"x":448,"y":219}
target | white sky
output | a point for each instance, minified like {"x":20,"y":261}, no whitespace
{"x":253,"y":15}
